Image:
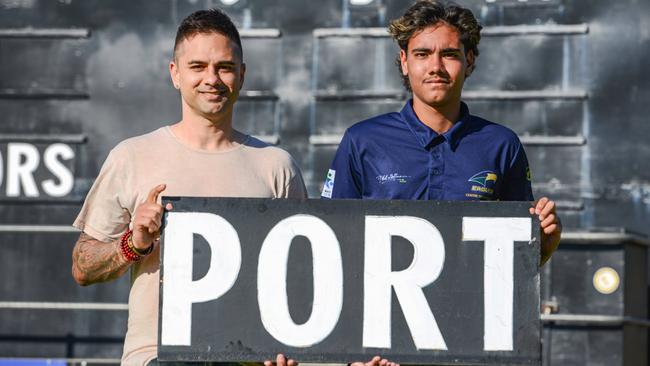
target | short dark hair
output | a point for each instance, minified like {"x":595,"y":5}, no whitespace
{"x":426,"y":13}
{"x":208,"y":21}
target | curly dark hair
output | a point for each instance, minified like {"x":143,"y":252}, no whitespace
{"x":208,"y":21}
{"x":425,"y":13}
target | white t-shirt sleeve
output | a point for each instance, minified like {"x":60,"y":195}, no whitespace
{"x":106,"y":213}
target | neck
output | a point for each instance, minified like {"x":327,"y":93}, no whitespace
{"x":204,"y":134}
{"x":439,"y":118}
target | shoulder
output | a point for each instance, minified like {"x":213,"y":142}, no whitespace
{"x":140,"y":143}
{"x":494,"y":132}
{"x":269,"y":155}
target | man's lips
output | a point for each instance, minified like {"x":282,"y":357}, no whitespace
{"x":435,"y":81}
{"x":213,"y":95}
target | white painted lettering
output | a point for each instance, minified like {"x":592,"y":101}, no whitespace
{"x":499,"y":235}
{"x":22,"y":161}
{"x":179,"y":291}
{"x":428,"y":260}
{"x":60,"y":171}
{"x":272,"y":281}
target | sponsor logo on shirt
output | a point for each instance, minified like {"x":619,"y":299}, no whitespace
{"x":483,"y":187}
{"x":392,"y":178}
{"x":328,"y":187}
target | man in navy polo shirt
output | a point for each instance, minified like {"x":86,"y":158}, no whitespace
{"x":434,"y":149}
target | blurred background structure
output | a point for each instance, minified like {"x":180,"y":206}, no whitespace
{"x":76,"y":77}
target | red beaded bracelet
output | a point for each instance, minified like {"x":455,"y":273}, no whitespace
{"x":127,"y":252}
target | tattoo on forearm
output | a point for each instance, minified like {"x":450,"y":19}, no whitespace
{"x":97,"y":261}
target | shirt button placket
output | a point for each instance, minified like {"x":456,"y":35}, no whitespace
{"x":436,"y":171}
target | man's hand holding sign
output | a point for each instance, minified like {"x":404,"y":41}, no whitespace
{"x":147,"y":219}
{"x":550,"y":225}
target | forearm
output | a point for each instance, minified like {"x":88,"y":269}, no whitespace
{"x":96,"y":261}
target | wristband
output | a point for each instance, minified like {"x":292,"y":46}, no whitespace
{"x":137,"y":251}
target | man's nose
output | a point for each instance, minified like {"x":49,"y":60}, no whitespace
{"x":435,"y":64}
{"x":212,"y":76}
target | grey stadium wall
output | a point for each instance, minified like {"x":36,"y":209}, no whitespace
{"x":77,"y":77}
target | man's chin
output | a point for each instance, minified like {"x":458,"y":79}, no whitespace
{"x":434,"y":101}
{"x":213,"y":108}
{"x":438,"y":99}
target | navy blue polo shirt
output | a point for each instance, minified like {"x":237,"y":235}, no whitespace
{"x":396,"y":156}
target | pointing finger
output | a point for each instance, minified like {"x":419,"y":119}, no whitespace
{"x":153,"y":194}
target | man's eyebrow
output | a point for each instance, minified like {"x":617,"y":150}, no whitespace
{"x":451,"y":49}
{"x":428,"y":50}
{"x":220,"y":63}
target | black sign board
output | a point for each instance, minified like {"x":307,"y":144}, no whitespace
{"x":343,"y":280}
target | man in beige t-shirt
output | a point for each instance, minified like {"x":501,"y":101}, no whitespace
{"x":202,"y":155}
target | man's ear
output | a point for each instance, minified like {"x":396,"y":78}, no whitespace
{"x":402,"y":60}
{"x":173,"y":72}
{"x":471,"y":59}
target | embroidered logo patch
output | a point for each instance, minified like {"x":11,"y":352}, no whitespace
{"x":392,"y":178}
{"x":484,"y":177}
{"x":328,"y":187}
{"x":484,"y":185}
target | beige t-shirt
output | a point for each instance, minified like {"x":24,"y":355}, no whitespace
{"x":135,"y":166}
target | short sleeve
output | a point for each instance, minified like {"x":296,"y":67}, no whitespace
{"x":344,"y":176}
{"x":105,"y":214}
{"x":295,"y":188}
{"x":517,"y":182}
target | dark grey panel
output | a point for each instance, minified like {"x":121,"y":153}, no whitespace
{"x":264,"y":61}
{"x":636,"y":272}
{"x":509,"y":12}
{"x":547,"y":62}
{"x":334,"y":117}
{"x":257,"y":117}
{"x":572,"y":346}
{"x":53,"y":64}
{"x":42,"y":116}
{"x":48,"y":277}
{"x":559,"y":165}
{"x":573,"y":269}
{"x":356,"y":63}
{"x":62,"y":333}
{"x":534,"y":117}
{"x":229,"y":327}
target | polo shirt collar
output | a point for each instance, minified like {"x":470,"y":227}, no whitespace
{"x":425,"y":135}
